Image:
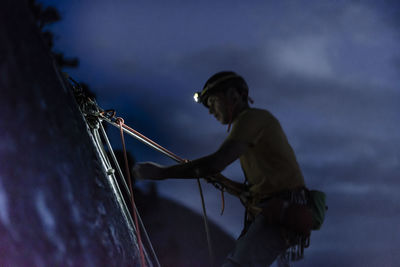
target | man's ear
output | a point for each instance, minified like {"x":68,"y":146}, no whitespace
{"x":233,"y":94}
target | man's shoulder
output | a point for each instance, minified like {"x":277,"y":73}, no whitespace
{"x":257,"y":114}
{"x":258,"y":111}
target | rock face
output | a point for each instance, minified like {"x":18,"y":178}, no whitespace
{"x":57,"y":207}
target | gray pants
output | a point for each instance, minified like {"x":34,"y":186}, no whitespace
{"x":259,"y":247}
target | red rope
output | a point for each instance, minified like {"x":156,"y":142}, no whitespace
{"x":223,"y":201}
{"x":230,"y":106}
{"x":120,"y":121}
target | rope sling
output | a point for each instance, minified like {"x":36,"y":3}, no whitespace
{"x":94,"y":117}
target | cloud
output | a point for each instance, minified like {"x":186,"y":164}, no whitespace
{"x":305,"y":56}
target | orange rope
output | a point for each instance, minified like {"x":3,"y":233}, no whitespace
{"x":120,"y":121}
{"x":223,"y":201}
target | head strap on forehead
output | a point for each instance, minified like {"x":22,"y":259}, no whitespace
{"x":214,"y":84}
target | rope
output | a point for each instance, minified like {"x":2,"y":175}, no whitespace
{"x":142,"y":260}
{"x":210,"y":250}
{"x":107,"y":166}
{"x":126,"y":187}
{"x":92,"y":113}
{"x":223,"y":201}
{"x":123,"y":127}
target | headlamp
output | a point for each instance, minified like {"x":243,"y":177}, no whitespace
{"x":196,"y":97}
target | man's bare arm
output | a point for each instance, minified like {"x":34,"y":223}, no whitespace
{"x":202,"y":167}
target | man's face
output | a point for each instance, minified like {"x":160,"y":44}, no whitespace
{"x":217,"y":106}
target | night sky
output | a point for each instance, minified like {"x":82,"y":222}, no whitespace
{"x":328,"y":70}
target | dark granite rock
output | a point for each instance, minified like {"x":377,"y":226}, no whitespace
{"x":57,"y":207}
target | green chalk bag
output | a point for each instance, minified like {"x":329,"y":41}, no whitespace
{"x":318,"y":207}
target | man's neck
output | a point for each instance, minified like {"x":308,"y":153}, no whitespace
{"x":239,"y":109}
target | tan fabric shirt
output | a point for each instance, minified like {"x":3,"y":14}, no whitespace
{"x":269,"y":164}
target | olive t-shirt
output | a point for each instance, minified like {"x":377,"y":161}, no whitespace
{"x":269,"y":164}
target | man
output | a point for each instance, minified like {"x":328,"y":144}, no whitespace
{"x":275,"y":185}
